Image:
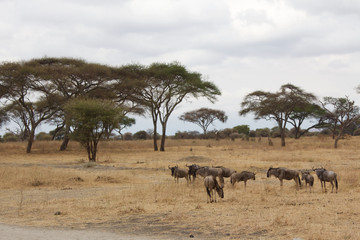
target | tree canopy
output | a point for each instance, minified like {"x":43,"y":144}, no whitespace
{"x":289,"y":104}
{"x":340,"y":114}
{"x":161,"y":87}
{"x":203,"y":117}
{"x":90,"y":118}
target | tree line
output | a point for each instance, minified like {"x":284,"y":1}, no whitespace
{"x":89,"y":101}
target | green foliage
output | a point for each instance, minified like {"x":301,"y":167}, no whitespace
{"x":203,"y":117}
{"x":244,"y":129}
{"x":90,"y":118}
{"x":160,"y":88}
{"x":141,"y":135}
{"x":42,"y":136}
{"x":10,"y":137}
{"x":288,"y":105}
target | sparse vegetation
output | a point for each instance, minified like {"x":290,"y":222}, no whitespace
{"x":134,"y":189}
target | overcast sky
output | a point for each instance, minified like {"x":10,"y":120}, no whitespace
{"x":241,"y":46}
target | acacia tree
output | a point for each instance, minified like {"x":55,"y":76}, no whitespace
{"x":32,"y":106}
{"x":341,"y":113}
{"x":281,"y":106}
{"x":72,"y":78}
{"x":305,"y":111}
{"x":161,"y":87}
{"x":203,"y":117}
{"x":90,"y":118}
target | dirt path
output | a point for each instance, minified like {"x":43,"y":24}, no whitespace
{"x":32,"y":233}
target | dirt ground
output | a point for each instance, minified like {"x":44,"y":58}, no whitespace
{"x":129,"y":193}
{"x":35,"y":233}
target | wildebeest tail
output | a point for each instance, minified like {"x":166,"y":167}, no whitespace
{"x":336,"y":183}
{"x":208,"y":192}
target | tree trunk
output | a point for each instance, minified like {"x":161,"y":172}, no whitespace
{"x":162,"y":146}
{"x":282,"y":133}
{"x":336,"y":141}
{"x":66,"y":139}
{"x":155,"y":137}
{"x":91,"y":150}
{"x":56,"y":131}
{"x":65,"y":143}
{"x":30,"y":141}
{"x":94,"y":151}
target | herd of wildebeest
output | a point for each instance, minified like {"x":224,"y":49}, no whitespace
{"x":214,"y":177}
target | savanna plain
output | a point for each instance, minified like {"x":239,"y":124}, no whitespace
{"x":129,"y":190}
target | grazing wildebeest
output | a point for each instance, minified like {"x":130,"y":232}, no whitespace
{"x":309,"y":179}
{"x":192,"y":171}
{"x":242,"y":176}
{"x":226,"y":172}
{"x":215,"y":172}
{"x":211,"y":185}
{"x":326,"y":176}
{"x":177,"y":173}
{"x":285,"y":173}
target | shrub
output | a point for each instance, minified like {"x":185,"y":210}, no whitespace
{"x":140,"y":135}
{"x":42,"y":136}
{"x":10,"y":137}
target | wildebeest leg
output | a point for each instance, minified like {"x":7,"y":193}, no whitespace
{"x":281,"y":182}
{"x":245,"y":184}
{"x":325,"y":186}
{"x":208,"y":196}
{"x":214,"y":194}
{"x":321,"y":186}
{"x":332,"y":184}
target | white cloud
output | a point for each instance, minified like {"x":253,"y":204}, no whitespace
{"x":241,"y":46}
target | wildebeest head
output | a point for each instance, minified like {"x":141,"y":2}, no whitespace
{"x":269,"y":172}
{"x":193,"y":168}
{"x":220,"y":191}
{"x":319,"y":172}
{"x":172,"y":170}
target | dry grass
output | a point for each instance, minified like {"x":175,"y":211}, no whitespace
{"x":130,"y":189}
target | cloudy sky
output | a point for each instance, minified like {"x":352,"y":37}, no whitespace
{"x":241,"y":46}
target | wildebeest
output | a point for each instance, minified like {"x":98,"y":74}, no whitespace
{"x":211,"y":185}
{"x":215,"y":172}
{"x":285,"y":173}
{"x":309,"y":179}
{"x":242,"y":176}
{"x":226,"y":172}
{"x":192,"y":171}
{"x":326,"y":176}
{"x":177,"y":173}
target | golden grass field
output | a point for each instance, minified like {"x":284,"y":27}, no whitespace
{"x":129,"y":190}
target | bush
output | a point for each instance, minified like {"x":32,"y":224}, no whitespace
{"x":42,"y":136}
{"x":187,"y":135}
{"x":10,"y":137}
{"x":128,"y":136}
{"x":357,"y":132}
{"x":242,"y":129}
{"x":141,"y":135}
